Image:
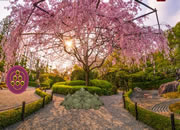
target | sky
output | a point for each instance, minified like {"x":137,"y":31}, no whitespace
{"x":168,"y":12}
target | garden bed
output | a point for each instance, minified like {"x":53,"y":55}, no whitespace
{"x":14,"y":115}
{"x":155,"y":120}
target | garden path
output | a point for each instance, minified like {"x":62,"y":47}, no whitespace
{"x":10,"y":100}
{"x":111,"y":116}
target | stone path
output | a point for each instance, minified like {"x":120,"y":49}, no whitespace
{"x":164,"y":106}
{"x":111,"y":116}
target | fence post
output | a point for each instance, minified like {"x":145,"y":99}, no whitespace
{"x":136,"y":109}
{"x":52,"y":95}
{"x":43,"y":101}
{"x":23,"y":110}
{"x":172,"y":121}
{"x":124,"y":102}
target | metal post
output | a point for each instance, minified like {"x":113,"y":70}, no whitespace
{"x":43,"y":101}
{"x":124,"y":102}
{"x":52,"y":95}
{"x":23,"y":110}
{"x":136,"y":110}
{"x":172,"y":121}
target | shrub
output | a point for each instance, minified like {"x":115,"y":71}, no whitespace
{"x":33,"y":84}
{"x":3,"y":85}
{"x":55,"y":78}
{"x":171,"y":95}
{"x":175,"y":107}
{"x":60,"y":83}
{"x":44,"y":85}
{"x":75,"y":82}
{"x":14,"y":115}
{"x":148,"y":85}
{"x":79,"y":74}
{"x":179,"y":88}
{"x":103,"y":87}
{"x":101,"y":84}
{"x":94,"y":90}
{"x":65,"y":89}
{"x":155,"y":120}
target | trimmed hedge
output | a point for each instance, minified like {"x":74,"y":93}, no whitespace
{"x":12,"y":116}
{"x":101,"y":83}
{"x":44,"y":85}
{"x":155,"y":120}
{"x":33,"y":84}
{"x":66,"y":89}
{"x":75,"y":82}
{"x":100,"y":87}
{"x":60,"y":83}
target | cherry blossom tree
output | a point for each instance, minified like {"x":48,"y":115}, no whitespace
{"x":95,"y":26}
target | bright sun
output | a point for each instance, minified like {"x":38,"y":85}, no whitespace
{"x":69,"y":43}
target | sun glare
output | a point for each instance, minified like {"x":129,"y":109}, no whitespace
{"x":69,"y":43}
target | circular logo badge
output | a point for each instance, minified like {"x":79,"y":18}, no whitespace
{"x":17,"y":79}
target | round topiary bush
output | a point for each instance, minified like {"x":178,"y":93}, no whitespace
{"x":81,"y":99}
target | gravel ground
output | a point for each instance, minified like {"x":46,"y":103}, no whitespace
{"x":111,"y":116}
{"x":9,"y":99}
{"x":154,"y":102}
{"x":148,"y":102}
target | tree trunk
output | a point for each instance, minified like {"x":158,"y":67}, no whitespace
{"x":87,"y":77}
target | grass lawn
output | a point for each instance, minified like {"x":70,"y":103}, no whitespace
{"x":175,"y":107}
{"x":171,"y":95}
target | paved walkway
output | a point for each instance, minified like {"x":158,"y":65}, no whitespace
{"x":111,"y":116}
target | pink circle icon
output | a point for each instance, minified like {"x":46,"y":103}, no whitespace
{"x":17,"y":79}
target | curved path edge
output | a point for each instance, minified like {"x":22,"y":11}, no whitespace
{"x":112,"y":116}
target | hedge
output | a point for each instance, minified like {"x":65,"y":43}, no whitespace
{"x":66,"y":89}
{"x":44,"y":85}
{"x":101,"y":83}
{"x":75,"y":82}
{"x":100,"y":87}
{"x":60,"y":83}
{"x":95,"y":82}
{"x":155,"y":120}
{"x":148,"y":85}
{"x":12,"y":116}
{"x":33,"y":84}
